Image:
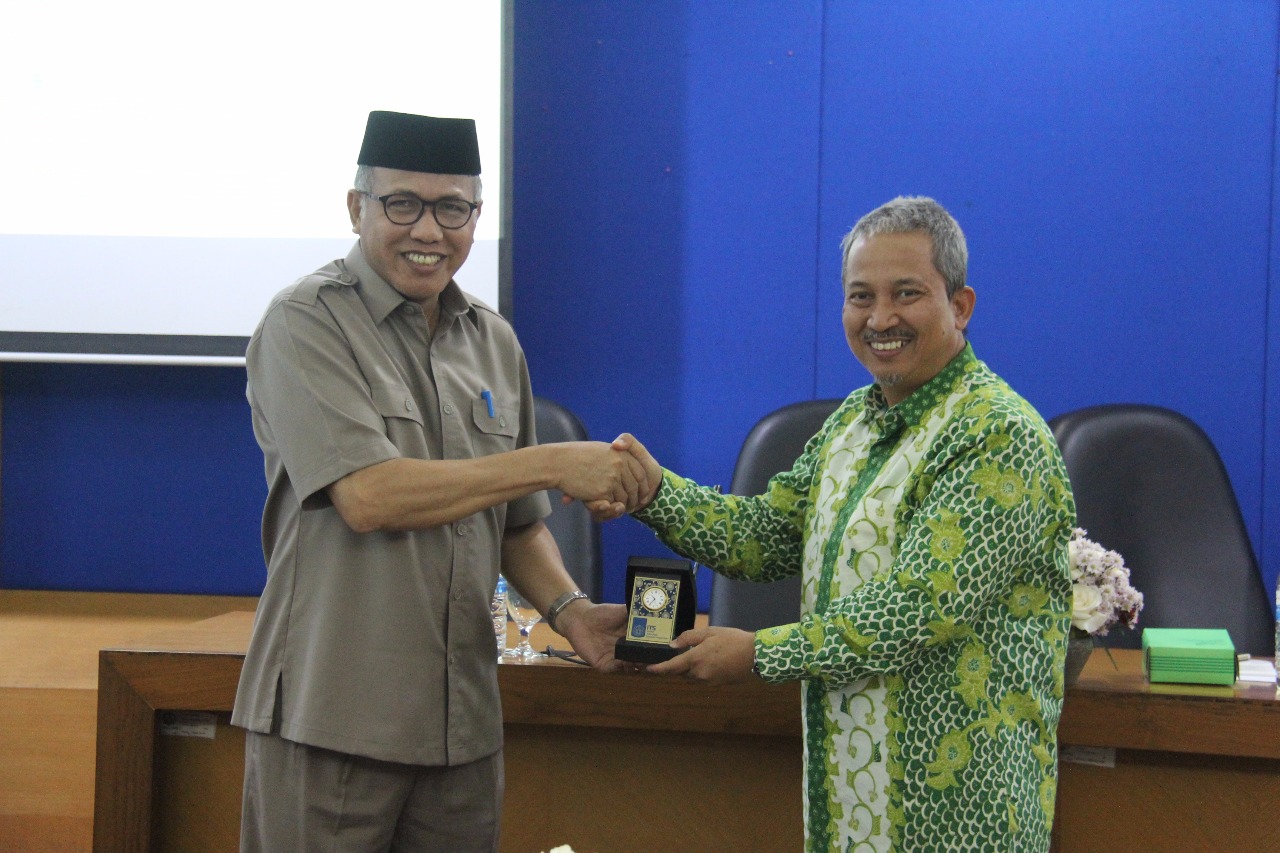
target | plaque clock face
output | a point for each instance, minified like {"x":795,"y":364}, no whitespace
{"x":654,"y":599}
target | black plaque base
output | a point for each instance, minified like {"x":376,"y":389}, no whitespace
{"x":644,"y":652}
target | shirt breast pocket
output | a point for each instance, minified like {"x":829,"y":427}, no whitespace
{"x":494,"y":434}
{"x":395,"y":401}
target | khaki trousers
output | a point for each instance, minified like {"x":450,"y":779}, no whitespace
{"x":303,"y":799}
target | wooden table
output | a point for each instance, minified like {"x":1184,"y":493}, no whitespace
{"x":604,"y":763}
{"x":1195,"y":767}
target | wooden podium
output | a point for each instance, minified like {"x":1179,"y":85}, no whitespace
{"x":1194,"y":767}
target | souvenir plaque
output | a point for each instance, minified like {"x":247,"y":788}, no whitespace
{"x":662,"y":602}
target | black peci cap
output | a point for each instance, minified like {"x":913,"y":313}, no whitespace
{"x":413,"y":143}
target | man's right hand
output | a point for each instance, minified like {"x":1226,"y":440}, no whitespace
{"x":652,"y":470}
{"x":630,"y":445}
{"x":601,"y":475}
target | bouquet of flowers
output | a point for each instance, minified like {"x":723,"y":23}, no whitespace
{"x":1102,"y":597}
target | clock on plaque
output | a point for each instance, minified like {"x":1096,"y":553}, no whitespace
{"x":662,"y":602}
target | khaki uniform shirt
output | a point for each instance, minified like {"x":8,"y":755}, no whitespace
{"x":378,"y":644}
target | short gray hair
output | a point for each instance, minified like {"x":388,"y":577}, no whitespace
{"x":917,"y":213}
{"x":364,"y":181}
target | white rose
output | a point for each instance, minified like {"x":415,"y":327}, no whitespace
{"x":1085,"y":601}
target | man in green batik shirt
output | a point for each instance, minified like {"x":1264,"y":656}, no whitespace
{"x":929,"y":520}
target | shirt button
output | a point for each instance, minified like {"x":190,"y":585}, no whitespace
{"x":502,"y":422}
{"x":408,"y":405}
{"x":463,"y":530}
{"x":347,"y":278}
{"x":448,"y":408}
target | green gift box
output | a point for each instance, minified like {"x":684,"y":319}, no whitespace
{"x":1189,"y":655}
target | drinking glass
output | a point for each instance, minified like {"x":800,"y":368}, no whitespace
{"x":525,"y":615}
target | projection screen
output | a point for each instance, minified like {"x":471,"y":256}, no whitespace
{"x":170,"y":167}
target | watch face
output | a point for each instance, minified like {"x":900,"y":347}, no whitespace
{"x":654,"y":598}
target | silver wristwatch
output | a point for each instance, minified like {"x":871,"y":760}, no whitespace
{"x":561,"y":603}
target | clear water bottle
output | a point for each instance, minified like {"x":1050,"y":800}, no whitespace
{"x":498,"y":609}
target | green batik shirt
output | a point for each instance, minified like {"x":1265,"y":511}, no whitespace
{"x":932,"y":541}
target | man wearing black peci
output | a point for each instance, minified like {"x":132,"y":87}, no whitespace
{"x":395,"y":417}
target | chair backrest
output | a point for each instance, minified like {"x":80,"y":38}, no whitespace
{"x":1150,"y":485}
{"x":576,"y":534}
{"x":772,"y":446}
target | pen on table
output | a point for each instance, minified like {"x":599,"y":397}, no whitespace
{"x":488,"y":400}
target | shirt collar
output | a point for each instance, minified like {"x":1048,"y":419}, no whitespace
{"x":892,"y":419}
{"x":380,"y":298}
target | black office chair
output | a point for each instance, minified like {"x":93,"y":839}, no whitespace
{"x":577,"y":535}
{"x":772,"y":446}
{"x":1150,"y":485}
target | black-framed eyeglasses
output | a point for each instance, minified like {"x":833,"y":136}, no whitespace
{"x":407,"y":209}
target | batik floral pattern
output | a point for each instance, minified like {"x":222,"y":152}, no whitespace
{"x":932,"y":541}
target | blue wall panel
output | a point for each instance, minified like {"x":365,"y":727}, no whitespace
{"x":130,"y":479}
{"x":751,"y":136}
{"x":1107,"y":162}
{"x":598,"y":213}
{"x":1270,"y":554}
{"x":693,"y":250}
{"x":752,"y":143}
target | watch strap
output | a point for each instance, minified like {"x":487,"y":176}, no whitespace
{"x":561,"y":602}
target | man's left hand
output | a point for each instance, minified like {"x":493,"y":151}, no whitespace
{"x":593,"y":629}
{"x":716,"y":655}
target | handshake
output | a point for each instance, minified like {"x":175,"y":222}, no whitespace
{"x":610,"y":479}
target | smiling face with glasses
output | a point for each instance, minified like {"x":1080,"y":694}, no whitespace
{"x":415,"y":253}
